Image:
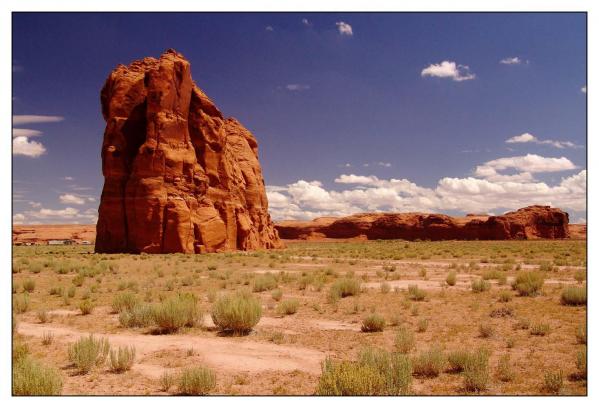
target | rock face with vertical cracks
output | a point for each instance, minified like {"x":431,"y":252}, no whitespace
{"x":178,"y":176}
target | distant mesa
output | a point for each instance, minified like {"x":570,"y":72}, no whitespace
{"x":178,"y":175}
{"x":534,"y":222}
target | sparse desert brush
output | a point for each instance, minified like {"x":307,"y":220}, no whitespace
{"x":574,"y":296}
{"x":457,"y":360}
{"x":30,"y":377}
{"x":581,"y":364}
{"x":43,"y":316}
{"x":451,"y":278}
{"x":377,"y":372}
{"x":476,"y":371}
{"x":522,"y":323}
{"x":385,"y":288}
{"x":265,"y":282}
{"x":237,"y":313}
{"x":124,"y":301}
{"x":415,"y":293}
{"x":345,"y":287}
{"x":29,"y":285}
{"x":89,"y":352}
{"x":580,"y":276}
{"x":56,"y":291}
{"x":540,"y":329}
{"x":86,"y":306}
{"x":486,"y":330}
{"x":404,"y":340}
{"x":177,"y":312}
{"x":277,"y":294}
{"x":122,"y":359}
{"x":581,"y":334}
{"x":196,"y":381}
{"x":505,"y":296}
{"x":504,"y":369}
{"x":554,"y":382}
{"x":480,"y":285}
{"x":167,"y":380}
{"x":429,"y":363}
{"x":20,"y":303}
{"x":373,"y":323}
{"x":503,"y":311}
{"x":528,"y":283}
{"x":422,"y":325}
{"x":47,"y":338}
{"x":78,"y":280}
{"x":288,"y":307}
{"x":20,"y":350}
{"x":141,"y":315}
{"x":493,"y":274}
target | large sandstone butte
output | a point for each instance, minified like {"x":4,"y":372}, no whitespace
{"x":534,"y":222}
{"x":178,"y":176}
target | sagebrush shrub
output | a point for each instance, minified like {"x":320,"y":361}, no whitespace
{"x":177,"y":312}
{"x":20,"y":304}
{"x":540,"y":329}
{"x":141,"y":315}
{"x":504,"y":369}
{"x":29,"y":285}
{"x":373,"y":323}
{"x":277,"y":294}
{"x":404,"y":340}
{"x":86,"y":306}
{"x":574,"y":296}
{"x":554,"y":382}
{"x":581,"y":334}
{"x":30,"y":377}
{"x":265,"y":282}
{"x":429,"y":363}
{"x":196,"y":381}
{"x":345,"y":287}
{"x":451,"y":278}
{"x":415,"y":293}
{"x":288,"y":306}
{"x":124,"y":301}
{"x":528,"y":283}
{"x":480,"y":285}
{"x":122,"y":359}
{"x":476,"y":371}
{"x":89,"y":352}
{"x":237,"y":313}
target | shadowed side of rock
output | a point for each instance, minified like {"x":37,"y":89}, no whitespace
{"x":179,"y":177}
{"x":534,"y":222}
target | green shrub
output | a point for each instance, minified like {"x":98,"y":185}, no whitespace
{"x":345,"y":287}
{"x":88,"y":352}
{"x":480,"y":285}
{"x":377,"y":372}
{"x":196,"y":381}
{"x":504,"y":370}
{"x":528,"y":283}
{"x":574,"y":296}
{"x":581,"y":364}
{"x":265,"y":282}
{"x":581,"y":334}
{"x":288,"y":306}
{"x":141,"y":315}
{"x":422,"y":325}
{"x":122,"y":359}
{"x":580,"y":276}
{"x":124,"y":301}
{"x":177,"y":312}
{"x":32,"y":378}
{"x":277,"y":294}
{"x":404,"y":340}
{"x":373,"y":323}
{"x":554,"y":381}
{"x":237,"y":313}
{"x":43,"y":316}
{"x":78,"y":280}
{"x":20,"y":304}
{"x":505,"y":296}
{"x":540,"y":329}
{"x":86,"y":307}
{"x":29,"y":285}
{"x":47,"y":338}
{"x":415,"y":293}
{"x":476,"y":371}
{"x":451,"y":278}
{"x":167,"y":380}
{"x":429,"y":363}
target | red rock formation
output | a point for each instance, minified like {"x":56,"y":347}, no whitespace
{"x":179,"y":177}
{"x":526,"y":223}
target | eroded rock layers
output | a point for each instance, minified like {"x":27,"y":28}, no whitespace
{"x":178,"y":176}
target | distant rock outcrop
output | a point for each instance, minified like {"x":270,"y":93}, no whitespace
{"x":179,"y":177}
{"x":526,"y":223}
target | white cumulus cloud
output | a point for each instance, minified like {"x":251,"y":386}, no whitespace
{"x":511,"y":61}
{"x":448,"y":69}
{"x":71,"y":199}
{"x":18,"y":132}
{"x":528,"y":138}
{"x":22,"y":146}
{"x":344,"y":28}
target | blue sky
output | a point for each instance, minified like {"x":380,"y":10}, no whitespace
{"x":352,"y":112}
